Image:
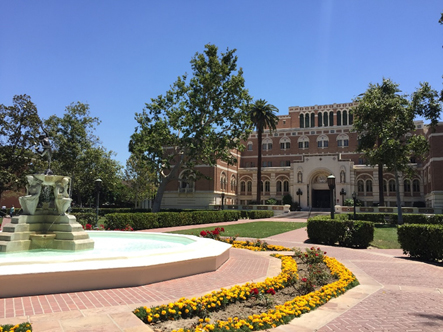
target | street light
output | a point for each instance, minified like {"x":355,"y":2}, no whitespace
{"x":354,"y":197}
{"x":331,"y":185}
{"x":223,"y":201}
{"x":299,"y":193}
{"x":98,"y":185}
{"x":342,"y":193}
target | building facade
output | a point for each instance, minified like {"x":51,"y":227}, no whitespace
{"x":309,"y":144}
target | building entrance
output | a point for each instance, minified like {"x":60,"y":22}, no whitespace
{"x":321,"y":199}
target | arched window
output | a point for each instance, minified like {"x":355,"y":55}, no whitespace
{"x":242,"y":187}
{"x":369,"y":186}
{"x":285,"y":143}
{"x":307,"y":120}
{"x":392,"y":186}
{"x":338,"y":118}
{"x":407,"y":186}
{"x":345,"y":118}
{"x":322,"y":141}
{"x":303,"y":142}
{"x":249,"y":146}
{"x":186,"y":182}
{"x":312,"y":119}
{"x":331,"y":118}
{"x":286,"y":186}
{"x":342,"y":140}
{"x":325,"y":118}
{"x":302,"y":121}
{"x":320,"y":119}
{"x":249,"y":187}
{"x":267,"y":186}
{"x":267,"y":144}
{"x":360,"y":186}
{"x":279,"y":187}
{"x":233,"y":184}
{"x":351,"y":118}
{"x":385,"y":186}
{"x":223,"y":181}
{"x":416,"y":186}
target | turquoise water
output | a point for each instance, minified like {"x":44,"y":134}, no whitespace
{"x":111,"y":244}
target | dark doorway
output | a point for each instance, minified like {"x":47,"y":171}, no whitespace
{"x":321,"y":199}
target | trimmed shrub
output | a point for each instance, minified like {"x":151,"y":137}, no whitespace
{"x":256,"y":214}
{"x":137,"y":221}
{"x":85,"y":218}
{"x":348,"y":233}
{"x":358,"y":234}
{"x":424,"y":242}
{"x":374,"y":217}
{"x":436,"y":219}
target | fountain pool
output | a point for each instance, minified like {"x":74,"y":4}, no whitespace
{"x":119,"y":259}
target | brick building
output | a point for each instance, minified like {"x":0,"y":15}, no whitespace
{"x":311,"y":143}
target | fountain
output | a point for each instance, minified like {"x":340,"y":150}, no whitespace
{"x":48,"y":227}
{"x":26,"y":270}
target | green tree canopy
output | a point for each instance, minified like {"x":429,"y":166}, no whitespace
{"x":263,"y":117}
{"x":77,"y":153}
{"x":20,"y":126}
{"x":195,"y":122}
{"x":384,"y":121}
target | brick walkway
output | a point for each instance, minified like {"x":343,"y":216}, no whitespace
{"x":396,"y":294}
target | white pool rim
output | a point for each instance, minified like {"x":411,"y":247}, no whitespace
{"x":71,"y":273}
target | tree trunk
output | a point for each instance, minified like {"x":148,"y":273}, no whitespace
{"x":260,"y":139}
{"x":162,"y":186}
{"x":397,"y":185}
{"x":381,"y":196}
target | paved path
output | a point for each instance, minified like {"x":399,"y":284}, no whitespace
{"x":396,"y":294}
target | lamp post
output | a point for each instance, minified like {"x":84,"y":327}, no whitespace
{"x":223,"y":201}
{"x":354,"y":198}
{"x":98,"y":185}
{"x":342,"y":193}
{"x":299,"y":193}
{"x":331,"y":185}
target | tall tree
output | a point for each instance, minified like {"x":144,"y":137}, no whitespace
{"x":20,"y":126}
{"x":141,"y":179}
{"x":195,"y":122}
{"x":384,"y":121}
{"x":262,"y":116}
{"x":77,"y":152}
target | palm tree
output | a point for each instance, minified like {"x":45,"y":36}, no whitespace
{"x":262,"y":116}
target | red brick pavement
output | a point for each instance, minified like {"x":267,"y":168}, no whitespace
{"x":409,"y":295}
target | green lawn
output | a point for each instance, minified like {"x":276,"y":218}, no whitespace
{"x":256,"y":230}
{"x":385,"y":237}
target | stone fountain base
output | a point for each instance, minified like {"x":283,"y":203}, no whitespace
{"x":28,"y":232}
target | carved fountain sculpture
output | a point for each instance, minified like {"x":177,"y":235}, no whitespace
{"x":47,"y":227}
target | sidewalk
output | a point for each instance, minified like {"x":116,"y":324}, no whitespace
{"x":395,"y":294}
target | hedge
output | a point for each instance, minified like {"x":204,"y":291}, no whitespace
{"x":256,"y":214}
{"x":436,"y":219}
{"x":104,"y":211}
{"x":421,"y":241}
{"x":348,"y":233}
{"x":85,"y":218}
{"x":140,"y":221}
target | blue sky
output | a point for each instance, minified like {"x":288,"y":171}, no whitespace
{"x":117,"y":55}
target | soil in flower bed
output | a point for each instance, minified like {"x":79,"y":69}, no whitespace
{"x":258,"y":305}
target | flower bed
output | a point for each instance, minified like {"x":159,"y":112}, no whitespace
{"x":281,"y":314}
{"x":23,"y":327}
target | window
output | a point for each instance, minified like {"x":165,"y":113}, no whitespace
{"x":331,"y":118}
{"x":385,"y":186}
{"x":223,"y":181}
{"x":312,"y":120}
{"x":267,"y":164}
{"x":286,"y":186}
{"x":322,"y":141}
{"x":319,"y":144}
{"x":307,"y":120}
{"x":351,"y":118}
{"x":392,"y":186}
{"x":249,"y":186}
{"x":416,"y":186}
{"x":267,"y":144}
{"x":288,"y":163}
{"x":360,"y":186}
{"x":267,"y":186}
{"x":279,"y":187}
{"x":306,"y":145}
{"x":302,"y":121}
{"x":407,"y":186}
{"x":339,"y":118}
{"x":249,"y":146}
{"x":369,"y":186}
{"x":325,"y":118}
{"x":242,"y":186}
{"x":285,"y":143}
{"x":345,"y":142}
{"x":300,"y":145}
{"x":233,"y":184}
{"x":345,"y":118}
{"x":320,"y":119}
